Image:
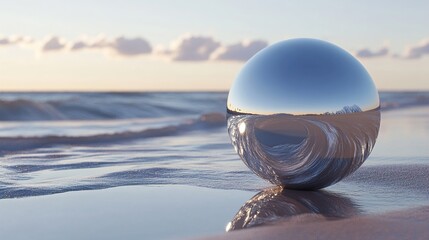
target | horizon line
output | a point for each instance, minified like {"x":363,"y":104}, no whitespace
{"x":166,"y":91}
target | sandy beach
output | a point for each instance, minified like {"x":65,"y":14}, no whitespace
{"x":406,"y":224}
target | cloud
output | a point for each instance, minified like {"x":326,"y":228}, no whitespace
{"x":367,"y":53}
{"x":79,"y":45}
{"x":5,"y":41}
{"x":53,"y":44}
{"x":205,"y":48}
{"x":192,"y":48}
{"x":196,"y":48}
{"x":98,"y":43}
{"x":120,"y":45}
{"x":131,"y":46}
{"x":417,"y":51}
{"x":239,"y":52}
{"x":13,"y":40}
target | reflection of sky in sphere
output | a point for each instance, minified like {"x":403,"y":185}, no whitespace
{"x":302,"y":76}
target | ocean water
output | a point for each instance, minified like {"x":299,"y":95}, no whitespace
{"x":52,"y":143}
{"x":58,"y":142}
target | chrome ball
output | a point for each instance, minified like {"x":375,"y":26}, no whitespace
{"x":303,"y":113}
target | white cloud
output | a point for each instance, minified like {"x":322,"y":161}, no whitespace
{"x":192,"y":48}
{"x":195,"y":48}
{"x":205,"y":48}
{"x":53,"y":44}
{"x":5,"y":41}
{"x":120,"y":45}
{"x":367,"y":53}
{"x":240,"y":51}
{"x":417,"y":51}
{"x":79,"y":45}
{"x":14,"y":40}
{"x":89,"y":43}
{"x":131,"y":46}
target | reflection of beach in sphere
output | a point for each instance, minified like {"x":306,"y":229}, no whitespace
{"x":303,"y":113}
{"x":304,"y":151}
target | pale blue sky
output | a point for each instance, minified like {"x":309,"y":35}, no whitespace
{"x":354,"y":25}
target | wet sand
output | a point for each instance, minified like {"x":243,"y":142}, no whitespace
{"x":377,"y":202}
{"x":406,"y":224}
{"x":130,"y":212}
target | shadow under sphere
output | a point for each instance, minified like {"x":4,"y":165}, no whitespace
{"x":303,"y":113}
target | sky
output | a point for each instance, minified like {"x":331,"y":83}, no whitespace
{"x":127,"y":45}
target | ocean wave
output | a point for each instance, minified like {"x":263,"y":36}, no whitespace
{"x":205,"y":121}
{"x":104,"y":106}
{"x":392,"y":101}
{"x":30,"y":110}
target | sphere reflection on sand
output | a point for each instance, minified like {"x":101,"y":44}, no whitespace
{"x":275,"y":204}
{"x":303,"y":114}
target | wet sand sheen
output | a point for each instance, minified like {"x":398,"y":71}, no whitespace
{"x":406,"y":224}
{"x":131,"y":212}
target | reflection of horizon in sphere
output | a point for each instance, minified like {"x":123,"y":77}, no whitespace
{"x":287,"y":76}
{"x":303,"y":114}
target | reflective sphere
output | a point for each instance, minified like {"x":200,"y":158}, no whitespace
{"x":303,"y":113}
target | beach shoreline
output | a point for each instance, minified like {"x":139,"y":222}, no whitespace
{"x":188,"y":182}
